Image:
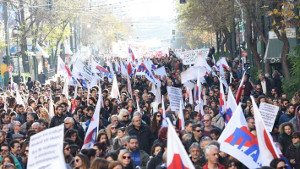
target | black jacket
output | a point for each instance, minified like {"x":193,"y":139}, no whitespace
{"x":293,"y":152}
{"x":144,"y":136}
{"x":156,"y":161}
{"x":56,"y":120}
{"x":285,"y":141}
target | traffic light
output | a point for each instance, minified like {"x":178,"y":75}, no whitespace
{"x":5,"y":60}
{"x":182,"y":1}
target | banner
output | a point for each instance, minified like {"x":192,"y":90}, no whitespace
{"x":188,"y":57}
{"x":84,"y":70}
{"x":46,"y":149}
{"x":175,"y":96}
{"x":268,"y":113}
{"x":160,"y":71}
{"x":237,"y":141}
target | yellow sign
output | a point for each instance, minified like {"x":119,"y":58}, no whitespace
{"x":3,"y":69}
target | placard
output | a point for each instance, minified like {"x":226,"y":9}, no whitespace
{"x":268,"y":113}
{"x":175,"y":95}
{"x":46,"y":149}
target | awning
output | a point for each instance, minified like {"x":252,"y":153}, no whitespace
{"x":274,"y":48}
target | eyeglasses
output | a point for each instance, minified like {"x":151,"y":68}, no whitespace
{"x":231,"y":165}
{"x":113,"y":128}
{"x":158,"y":116}
{"x":206,"y":120}
{"x":77,"y":160}
{"x":198,"y":131}
{"x":282,"y":167}
{"x":126,"y":116}
{"x":4,"y":150}
{"x":128,"y":157}
{"x":26,"y":151}
{"x":67,"y":148}
{"x":295,"y":137}
{"x":9,"y":165}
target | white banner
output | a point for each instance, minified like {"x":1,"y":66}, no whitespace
{"x":268,"y":113}
{"x":46,"y":149}
{"x":161,"y":71}
{"x":189,"y":57}
{"x":84,"y":70}
{"x":175,"y":96}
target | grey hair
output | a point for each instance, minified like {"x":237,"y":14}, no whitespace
{"x":113,"y":116}
{"x":194,"y":145}
{"x":70,"y":119}
{"x":124,"y":140}
{"x":137,"y":113}
{"x":36,"y":123}
{"x":14,"y":123}
{"x":207,"y":149}
{"x":122,"y":111}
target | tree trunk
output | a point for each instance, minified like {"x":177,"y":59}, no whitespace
{"x":284,"y":62}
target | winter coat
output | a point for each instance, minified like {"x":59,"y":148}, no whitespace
{"x":293,"y":152}
{"x":285,"y":141}
{"x":144,"y":136}
{"x":218,"y":121}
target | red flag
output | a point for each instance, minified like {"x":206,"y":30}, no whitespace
{"x":240,"y":89}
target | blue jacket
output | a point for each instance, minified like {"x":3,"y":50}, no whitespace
{"x":284,"y":118}
{"x":294,"y":121}
{"x":17,"y":163}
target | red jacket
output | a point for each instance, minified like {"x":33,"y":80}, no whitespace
{"x":220,"y":166}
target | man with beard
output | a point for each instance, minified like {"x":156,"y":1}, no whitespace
{"x":139,"y":157}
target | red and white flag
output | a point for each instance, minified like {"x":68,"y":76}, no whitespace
{"x":62,"y":68}
{"x":266,"y":145}
{"x":177,"y":157}
{"x":131,"y":54}
{"x":181,"y":118}
{"x":222,"y":101}
{"x":91,"y":134}
{"x":240,"y":90}
{"x":115,"y":89}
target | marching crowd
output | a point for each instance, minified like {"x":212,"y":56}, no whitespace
{"x":129,"y":137}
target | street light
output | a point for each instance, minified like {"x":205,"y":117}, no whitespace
{"x":16,"y":33}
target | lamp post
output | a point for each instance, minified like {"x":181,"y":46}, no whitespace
{"x":16,"y":33}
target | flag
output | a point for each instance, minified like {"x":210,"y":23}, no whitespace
{"x":138,"y":106}
{"x":62,"y":68}
{"x":181,"y":118}
{"x":158,"y":94}
{"x":230,"y":106}
{"x":129,"y":69}
{"x":100,"y":97}
{"x":91,"y":134}
{"x":51,"y":108}
{"x":240,"y":90}
{"x":143,"y":70}
{"x":163,"y":113}
{"x":266,"y":145}
{"x":198,"y":93}
{"x":222,"y":101}
{"x":177,"y":157}
{"x":115,"y":89}
{"x":222,"y":62}
{"x":66,"y":89}
{"x":237,"y":141}
{"x":131,"y":54}
{"x":123,"y":69}
{"x":19,"y":99}
{"x":129,"y":87}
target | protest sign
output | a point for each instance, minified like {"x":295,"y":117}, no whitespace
{"x":268,"y":113}
{"x":188,"y":57}
{"x":83,"y":70}
{"x":160,"y":71}
{"x":175,"y":95}
{"x":46,"y":149}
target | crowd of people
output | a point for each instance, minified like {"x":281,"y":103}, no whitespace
{"x":129,"y":137}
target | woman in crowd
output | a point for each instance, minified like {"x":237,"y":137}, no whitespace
{"x":293,"y":151}
{"x":156,"y":124}
{"x":99,"y":163}
{"x":120,"y":134}
{"x":81,"y":161}
{"x":125,"y":158}
{"x":285,"y":138}
{"x":73,"y":135}
{"x":68,"y":156}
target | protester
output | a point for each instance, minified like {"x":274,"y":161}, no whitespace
{"x":132,"y":129}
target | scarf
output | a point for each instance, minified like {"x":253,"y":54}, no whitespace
{"x":297,"y":117}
